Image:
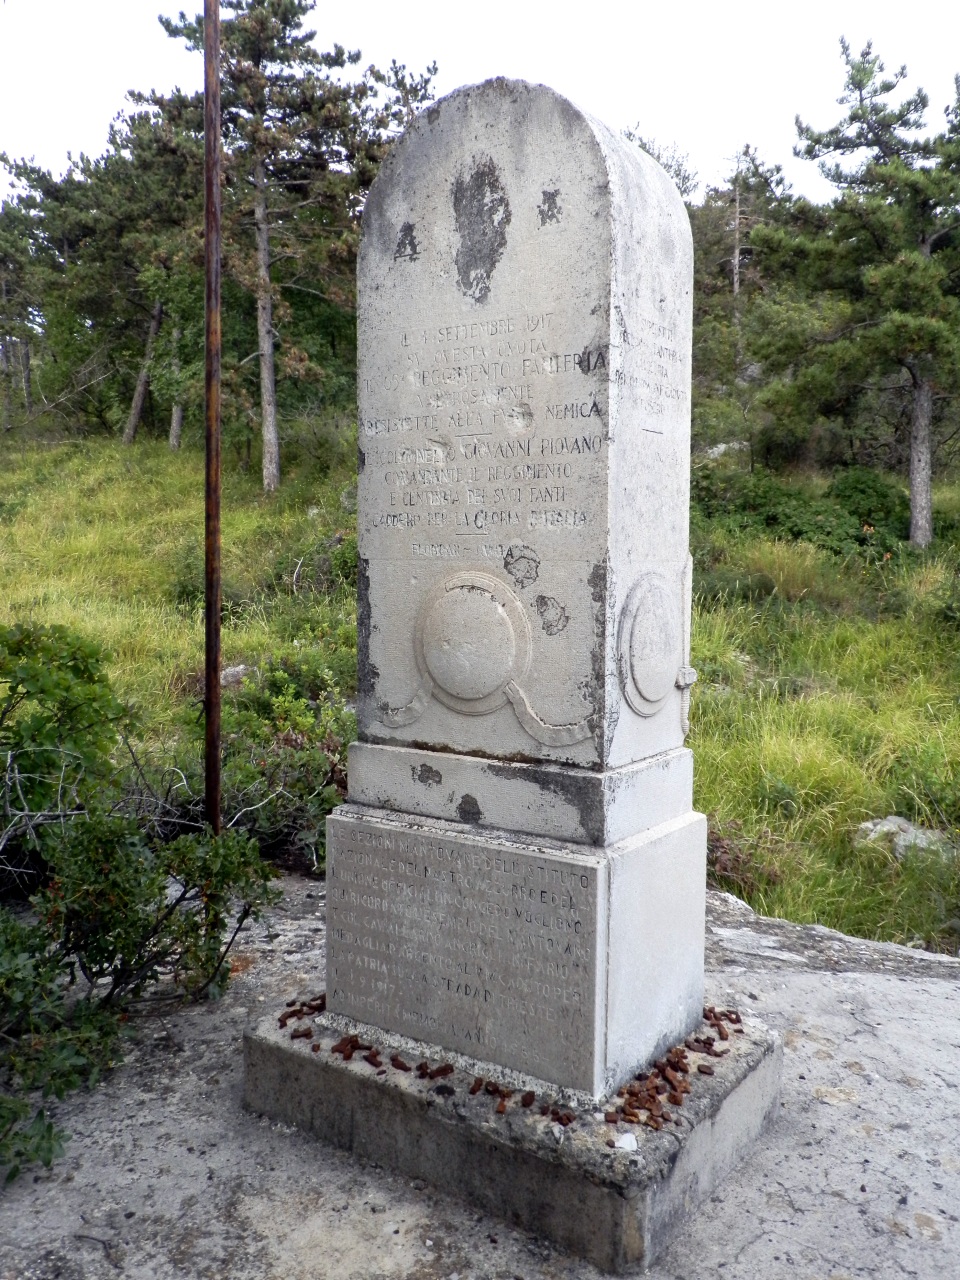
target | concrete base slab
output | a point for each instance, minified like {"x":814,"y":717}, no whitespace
{"x":548,"y":1161}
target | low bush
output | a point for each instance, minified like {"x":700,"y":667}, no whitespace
{"x":286,"y":732}
{"x":59,"y":724}
{"x":116,"y":914}
{"x":763,"y":503}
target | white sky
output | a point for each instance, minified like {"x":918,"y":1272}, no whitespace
{"x":704,"y":75}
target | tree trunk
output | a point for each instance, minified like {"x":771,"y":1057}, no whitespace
{"x":921,"y":463}
{"x":6,"y":402}
{"x":143,"y":379}
{"x":268,"y":392}
{"x":737,"y":334}
{"x":176,"y":425}
{"x":176,"y":413}
{"x":25,"y":371}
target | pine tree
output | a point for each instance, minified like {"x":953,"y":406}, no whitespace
{"x":876,"y":274}
{"x":300,"y":149}
{"x":16,"y":305}
{"x":728,"y":284}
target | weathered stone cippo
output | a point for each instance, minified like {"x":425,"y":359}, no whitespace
{"x":519,"y":875}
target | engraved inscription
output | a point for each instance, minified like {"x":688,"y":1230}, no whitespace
{"x":467,"y":400}
{"x":653,"y":367}
{"x":466,"y":943}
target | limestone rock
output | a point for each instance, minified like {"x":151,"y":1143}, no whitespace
{"x":901,"y":837}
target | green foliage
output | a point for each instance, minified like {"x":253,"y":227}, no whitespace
{"x":286,"y":733}
{"x":827,"y":702}
{"x":740,"y":864}
{"x":122,"y":912}
{"x":345,"y":561}
{"x":864,"y":318}
{"x":785,"y":508}
{"x":128,"y":915}
{"x":46,"y":1043}
{"x":86,"y":260}
{"x":25,"y":1140}
{"x":873,"y":499}
{"x":124,"y":916}
{"x":59,"y":723}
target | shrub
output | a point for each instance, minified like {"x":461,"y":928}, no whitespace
{"x":344,"y":561}
{"x":45,"y":1043}
{"x":873,"y":499}
{"x":758,"y":502}
{"x":117,"y":913}
{"x":117,"y":918}
{"x":286,"y":734}
{"x":323,"y":563}
{"x":59,"y":724}
{"x":127,"y":915}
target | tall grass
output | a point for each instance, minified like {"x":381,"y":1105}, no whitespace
{"x":108,"y":540}
{"x":828,"y":690}
{"x":834,"y":700}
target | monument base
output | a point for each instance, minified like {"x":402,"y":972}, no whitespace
{"x":569,"y":962}
{"x":611,"y":1191}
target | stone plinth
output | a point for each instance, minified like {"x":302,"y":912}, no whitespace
{"x":616,"y":1205}
{"x":521,"y":953}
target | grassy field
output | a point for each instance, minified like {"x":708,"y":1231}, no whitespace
{"x":108,"y":540}
{"x":828,"y":688}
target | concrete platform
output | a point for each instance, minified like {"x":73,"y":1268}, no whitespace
{"x":541,"y":1159}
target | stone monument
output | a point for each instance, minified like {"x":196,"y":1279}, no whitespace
{"x":516,"y":884}
{"x":519,"y":874}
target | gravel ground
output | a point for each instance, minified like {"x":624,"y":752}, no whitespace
{"x":167,"y":1176}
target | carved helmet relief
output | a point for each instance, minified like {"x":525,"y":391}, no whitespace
{"x":473,"y":647}
{"x":650,"y":649}
{"x":472,"y":639}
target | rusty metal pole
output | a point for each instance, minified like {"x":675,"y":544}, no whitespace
{"x":211,"y":156}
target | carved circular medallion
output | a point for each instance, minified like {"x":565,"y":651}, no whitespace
{"x":472,"y":639}
{"x":650,"y":643}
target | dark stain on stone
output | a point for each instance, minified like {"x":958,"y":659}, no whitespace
{"x":574,"y":786}
{"x":468,"y":810}
{"x":550,"y":209}
{"x":519,"y":418}
{"x":482,"y":214}
{"x":427,"y":775}
{"x":361,"y":460}
{"x":522,"y":563}
{"x":596,"y":693}
{"x":367,"y":673}
{"x":407,"y":246}
{"x":553,"y":616}
{"x":593,"y":357}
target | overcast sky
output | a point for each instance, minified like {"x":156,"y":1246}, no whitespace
{"x":705,"y":76}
